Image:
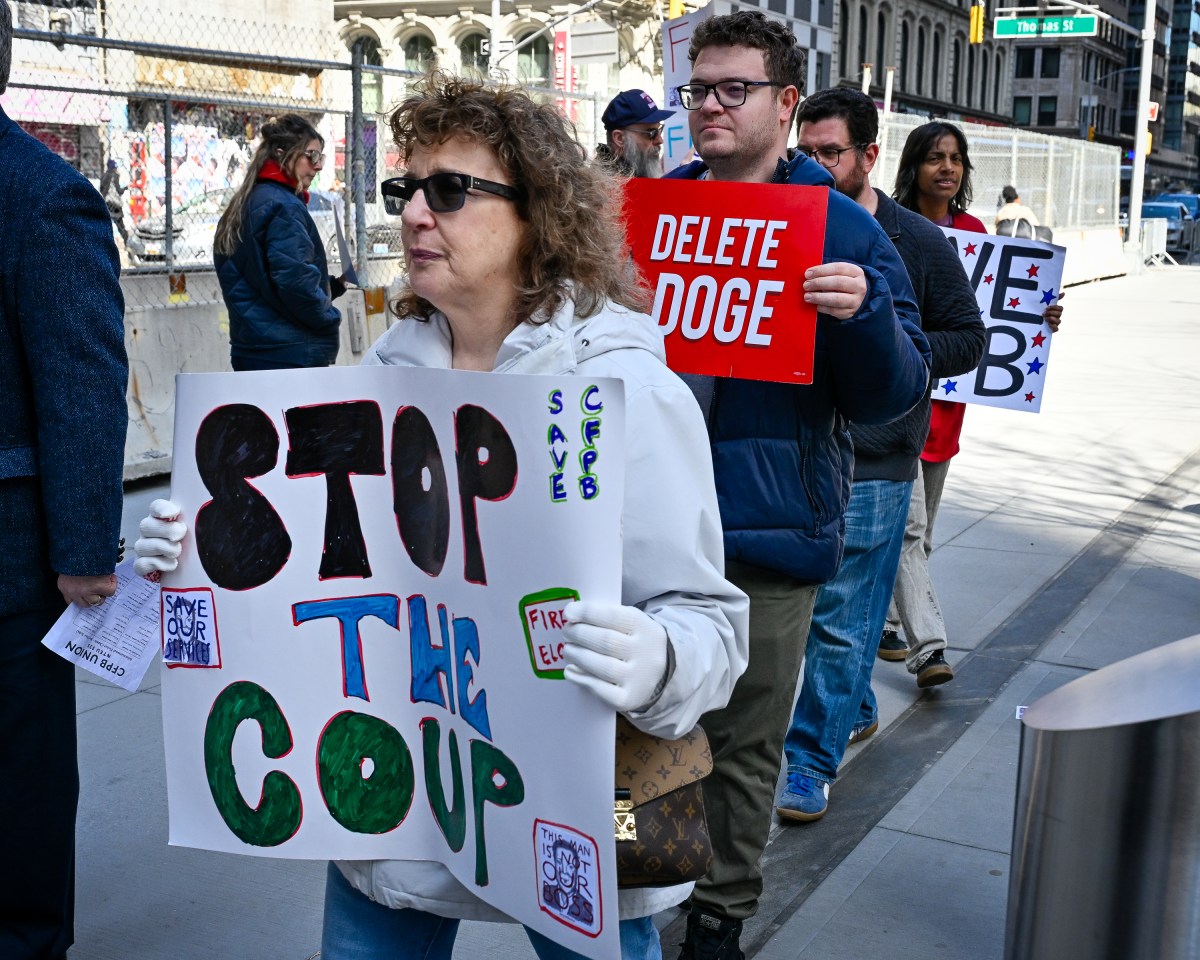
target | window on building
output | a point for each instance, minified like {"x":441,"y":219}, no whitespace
{"x":418,"y":52}
{"x":844,"y":40}
{"x":533,"y":61}
{"x":372,"y":88}
{"x":1000,"y":75}
{"x":1047,"y":111}
{"x":1021,"y":108}
{"x":862,"y":38}
{"x":470,"y":50}
{"x":904,"y":55}
{"x":920,"y":60}
{"x":1024,"y":65}
{"x":936,"y":85}
{"x":957,"y":72}
{"x":983,"y":80}
{"x":1050,"y":60}
{"x":880,"y":41}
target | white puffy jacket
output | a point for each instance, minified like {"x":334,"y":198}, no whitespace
{"x":673,"y":558}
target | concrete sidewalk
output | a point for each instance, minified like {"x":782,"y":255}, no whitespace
{"x":1066,"y":541}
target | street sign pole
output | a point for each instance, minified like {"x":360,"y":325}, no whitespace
{"x":1137,"y":174}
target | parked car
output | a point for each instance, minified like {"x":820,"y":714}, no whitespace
{"x":1189,"y":200}
{"x":193,"y":225}
{"x":1181,"y":225}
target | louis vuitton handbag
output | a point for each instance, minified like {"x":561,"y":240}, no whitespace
{"x":662,"y":837}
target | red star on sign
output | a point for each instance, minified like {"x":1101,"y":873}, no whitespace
{"x":1029,"y":398}
{"x":1014,"y":302}
{"x":1033,"y":270}
{"x":1039,"y":339}
{"x":989,"y":278}
{"x":970,"y":250}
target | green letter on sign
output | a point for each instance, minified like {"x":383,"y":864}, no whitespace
{"x":452,"y":822}
{"x":379,"y":801}
{"x":489,"y":765}
{"x":277,"y":816}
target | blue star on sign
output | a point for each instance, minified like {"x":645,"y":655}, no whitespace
{"x":1047,"y":295}
{"x":1036,"y":366}
{"x":950,"y":386}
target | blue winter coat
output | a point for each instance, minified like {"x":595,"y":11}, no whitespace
{"x":276,"y":284}
{"x":63,"y":372}
{"x":781,"y":452}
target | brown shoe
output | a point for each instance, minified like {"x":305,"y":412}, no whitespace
{"x":892,"y":646}
{"x":935,"y":670}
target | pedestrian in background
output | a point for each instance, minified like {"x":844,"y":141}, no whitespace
{"x":111,"y":190}
{"x":633,"y":135}
{"x":1014,"y":219}
{"x":62,"y":445}
{"x":933,"y":178}
{"x":838,"y":128}
{"x":782,"y":452}
{"x":270,"y":260}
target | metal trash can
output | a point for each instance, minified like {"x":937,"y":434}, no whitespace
{"x":1106,"y":837}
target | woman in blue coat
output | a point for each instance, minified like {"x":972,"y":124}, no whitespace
{"x":270,"y":260}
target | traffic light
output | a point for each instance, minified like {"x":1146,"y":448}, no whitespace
{"x":978,"y":14}
{"x":1091,"y":131}
{"x":675,"y":9}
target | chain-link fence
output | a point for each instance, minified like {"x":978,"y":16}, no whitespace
{"x":1069,"y":184}
{"x":161,"y":111}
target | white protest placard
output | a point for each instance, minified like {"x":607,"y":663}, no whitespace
{"x":361,"y":643}
{"x":1014,"y":281}
{"x":677,"y":70}
{"x":117,"y":639}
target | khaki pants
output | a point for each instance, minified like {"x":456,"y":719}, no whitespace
{"x":747,"y":739}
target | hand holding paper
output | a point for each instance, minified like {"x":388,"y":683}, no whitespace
{"x":158,"y":549}
{"x":617,"y":652}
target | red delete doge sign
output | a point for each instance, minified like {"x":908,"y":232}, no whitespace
{"x":726,"y":263}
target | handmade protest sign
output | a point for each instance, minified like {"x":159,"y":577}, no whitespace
{"x":1014,"y":280}
{"x":362,"y":642}
{"x":726,"y":263}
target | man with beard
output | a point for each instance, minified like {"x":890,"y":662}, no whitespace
{"x":633,"y":126}
{"x":838,"y":129}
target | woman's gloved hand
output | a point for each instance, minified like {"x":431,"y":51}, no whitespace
{"x":158,"y":549}
{"x":617,"y":652}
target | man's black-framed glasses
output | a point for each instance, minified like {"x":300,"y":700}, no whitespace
{"x":828,"y":157}
{"x":729,"y":93}
{"x":444,"y":192}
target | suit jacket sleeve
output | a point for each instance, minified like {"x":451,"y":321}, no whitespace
{"x":72,"y":330}
{"x":951,"y":318}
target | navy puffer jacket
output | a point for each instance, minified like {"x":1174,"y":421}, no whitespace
{"x":276,"y":284}
{"x":782,"y":452}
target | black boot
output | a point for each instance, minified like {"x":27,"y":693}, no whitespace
{"x":711,"y":937}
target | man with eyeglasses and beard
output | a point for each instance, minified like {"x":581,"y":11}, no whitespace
{"x":633,"y":127}
{"x":781,"y":452}
{"x":838,"y":128}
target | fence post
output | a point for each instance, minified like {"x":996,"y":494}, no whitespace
{"x":358,"y":166}
{"x":168,"y":200}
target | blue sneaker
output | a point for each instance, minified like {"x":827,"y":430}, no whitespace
{"x":804,"y":799}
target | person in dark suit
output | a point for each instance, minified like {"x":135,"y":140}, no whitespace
{"x":62,"y":440}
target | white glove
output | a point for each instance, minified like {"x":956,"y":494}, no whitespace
{"x":619,"y":653}
{"x":158,"y":549}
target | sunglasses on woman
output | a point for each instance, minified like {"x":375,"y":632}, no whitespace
{"x":444,"y":192}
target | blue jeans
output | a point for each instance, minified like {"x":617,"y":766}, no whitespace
{"x":357,"y":928}
{"x":836,"y":696}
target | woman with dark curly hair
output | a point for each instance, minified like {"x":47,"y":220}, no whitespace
{"x":516,"y":264}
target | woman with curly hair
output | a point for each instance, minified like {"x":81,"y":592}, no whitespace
{"x":516,"y":264}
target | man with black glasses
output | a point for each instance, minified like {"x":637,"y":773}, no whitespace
{"x":781,"y":452}
{"x":838,"y":129}
{"x":633,"y":130}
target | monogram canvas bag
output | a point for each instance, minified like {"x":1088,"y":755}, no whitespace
{"x":662,"y":837}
